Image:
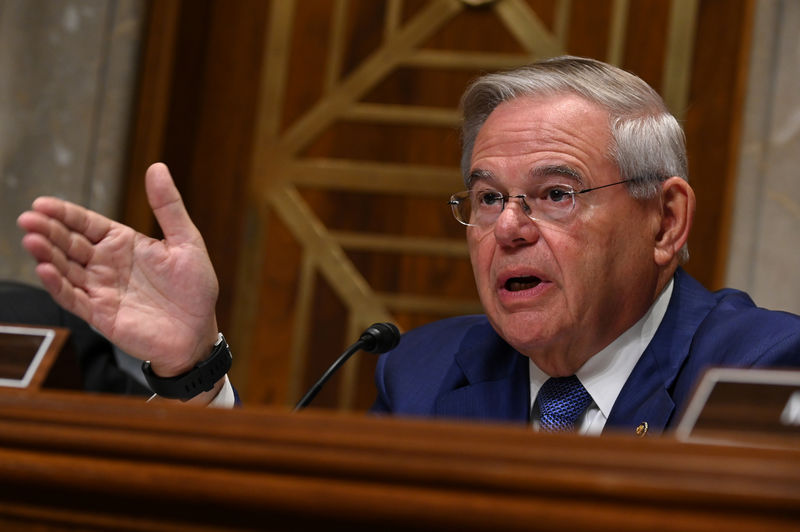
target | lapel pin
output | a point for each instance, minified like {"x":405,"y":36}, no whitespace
{"x":641,"y":430}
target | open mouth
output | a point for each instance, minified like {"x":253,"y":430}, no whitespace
{"x":516,"y":284}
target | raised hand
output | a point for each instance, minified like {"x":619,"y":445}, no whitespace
{"x":154,"y":299}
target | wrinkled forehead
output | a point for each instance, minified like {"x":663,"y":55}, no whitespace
{"x":566,"y":107}
{"x":564,"y":132}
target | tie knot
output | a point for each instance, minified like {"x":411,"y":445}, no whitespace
{"x":561,"y":402}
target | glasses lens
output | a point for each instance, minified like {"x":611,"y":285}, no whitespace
{"x":460,"y":205}
{"x":551,"y":201}
{"x":482,"y":207}
{"x":485,"y":206}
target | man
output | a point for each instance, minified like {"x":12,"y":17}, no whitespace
{"x":577,"y":213}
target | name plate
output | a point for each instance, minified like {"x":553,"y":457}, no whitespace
{"x":24,"y":354}
{"x":744,"y":406}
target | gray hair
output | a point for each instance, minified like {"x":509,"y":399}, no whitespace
{"x":648,"y":144}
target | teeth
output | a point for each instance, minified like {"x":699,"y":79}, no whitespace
{"x":515,"y":284}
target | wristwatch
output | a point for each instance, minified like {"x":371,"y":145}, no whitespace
{"x":197,"y":380}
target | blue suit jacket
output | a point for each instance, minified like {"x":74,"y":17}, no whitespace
{"x":461,"y":368}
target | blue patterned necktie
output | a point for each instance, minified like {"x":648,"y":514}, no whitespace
{"x":561,"y":402}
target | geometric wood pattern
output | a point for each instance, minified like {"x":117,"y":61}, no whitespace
{"x":342,"y":149}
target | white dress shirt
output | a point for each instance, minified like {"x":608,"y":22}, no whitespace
{"x":604,"y":374}
{"x":225,"y":398}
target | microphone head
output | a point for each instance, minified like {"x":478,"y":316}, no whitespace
{"x":380,"y":337}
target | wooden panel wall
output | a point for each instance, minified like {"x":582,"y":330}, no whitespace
{"x":315,"y":143}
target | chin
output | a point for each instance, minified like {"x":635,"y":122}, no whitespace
{"x":525,"y":334}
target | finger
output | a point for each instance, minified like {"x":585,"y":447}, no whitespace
{"x":46,"y":253}
{"x":92,"y":225}
{"x":74,"y":245}
{"x":64,"y":293}
{"x":168,"y":207}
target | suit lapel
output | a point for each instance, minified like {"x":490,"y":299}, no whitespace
{"x":646,"y":395}
{"x":489,"y":380}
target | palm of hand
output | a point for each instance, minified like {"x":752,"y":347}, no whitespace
{"x":155,"y":301}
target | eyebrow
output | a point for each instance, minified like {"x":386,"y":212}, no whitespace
{"x":549,"y":170}
{"x":556,"y":170}
{"x":477,"y":175}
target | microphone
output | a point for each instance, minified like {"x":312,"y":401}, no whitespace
{"x":377,"y":338}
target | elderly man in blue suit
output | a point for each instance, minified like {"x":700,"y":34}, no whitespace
{"x":577,"y":211}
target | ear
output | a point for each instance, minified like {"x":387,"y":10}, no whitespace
{"x":677,"y":214}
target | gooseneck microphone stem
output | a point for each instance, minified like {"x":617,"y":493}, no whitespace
{"x":377,"y":338}
{"x":314,"y":390}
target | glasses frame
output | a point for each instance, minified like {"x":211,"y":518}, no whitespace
{"x":457,"y":198}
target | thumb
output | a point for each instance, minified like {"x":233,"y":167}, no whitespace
{"x":167,"y":205}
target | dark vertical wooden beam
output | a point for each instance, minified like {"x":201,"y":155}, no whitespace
{"x":151,"y":110}
{"x":198,"y":92}
{"x":713,"y":129}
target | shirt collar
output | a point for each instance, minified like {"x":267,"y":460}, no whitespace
{"x":605,"y":373}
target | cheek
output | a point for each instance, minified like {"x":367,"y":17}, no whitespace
{"x":598,"y":259}
{"x":568,"y":249}
{"x":579,"y":264}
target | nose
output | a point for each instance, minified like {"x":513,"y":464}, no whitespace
{"x":513,"y":226}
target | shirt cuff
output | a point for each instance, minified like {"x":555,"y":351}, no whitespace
{"x":225,"y":398}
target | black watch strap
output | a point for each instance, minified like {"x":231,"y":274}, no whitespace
{"x":199,"y":379}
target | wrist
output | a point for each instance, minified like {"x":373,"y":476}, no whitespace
{"x":183,"y":360}
{"x":201,"y":378}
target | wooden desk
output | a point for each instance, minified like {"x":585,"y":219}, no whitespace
{"x":108,"y":463}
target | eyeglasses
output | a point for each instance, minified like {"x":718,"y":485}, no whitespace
{"x":550,"y":202}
